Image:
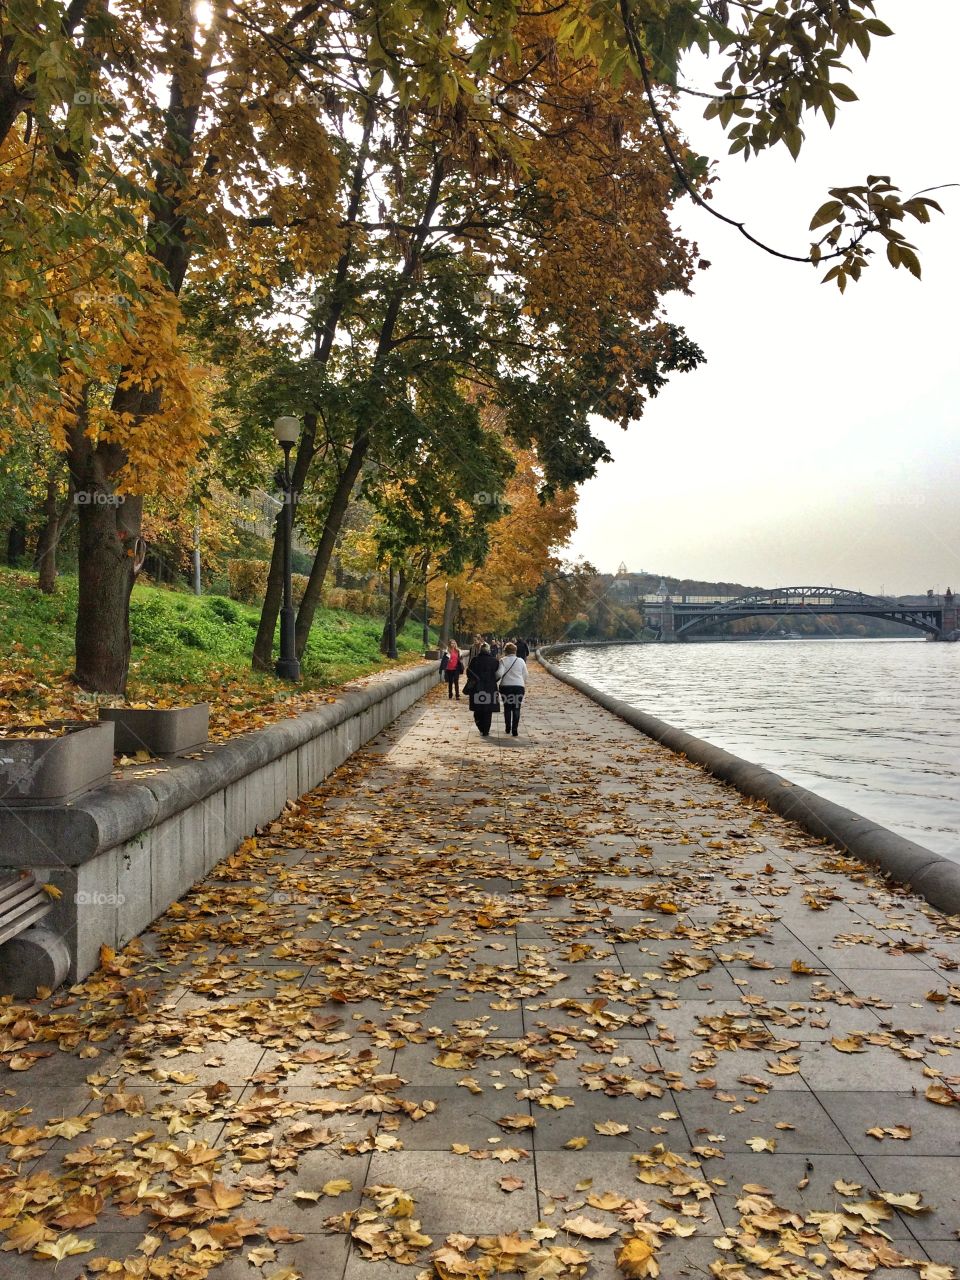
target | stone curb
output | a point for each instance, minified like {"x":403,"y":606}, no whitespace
{"x":924,"y":872}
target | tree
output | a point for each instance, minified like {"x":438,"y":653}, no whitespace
{"x":525,"y":549}
{"x":524,"y":251}
{"x":188,"y":88}
{"x":377,"y":171}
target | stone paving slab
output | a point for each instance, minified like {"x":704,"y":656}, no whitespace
{"x":481,"y":984}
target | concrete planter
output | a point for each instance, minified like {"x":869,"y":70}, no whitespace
{"x":161,"y":731}
{"x":47,"y":771}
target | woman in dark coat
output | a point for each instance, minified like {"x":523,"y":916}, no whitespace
{"x":484,"y":698}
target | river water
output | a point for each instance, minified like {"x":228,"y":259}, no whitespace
{"x":870,"y":724}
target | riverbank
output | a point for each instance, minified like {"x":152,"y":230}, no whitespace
{"x":542,"y":1002}
{"x":867,"y":724}
{"x":906,"y":863}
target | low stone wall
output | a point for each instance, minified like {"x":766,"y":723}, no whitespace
{"x":122,"y":853}
{"x":932,"y":876}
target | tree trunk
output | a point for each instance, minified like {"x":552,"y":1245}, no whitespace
{"x":328,"y":541}
{"x":272,"y":600}
{"x":449,"y":609}
{"x":16,"y":543}
{"x":110,"y":554}
{"x":45,"y":556}
{"x":406,"y":610}
{"x":107,"y":563}
{"x":306,"y":446}
{"x":401,"y":613}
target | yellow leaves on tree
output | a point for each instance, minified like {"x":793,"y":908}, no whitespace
{"x":145,"y":341}
{"x":524,"y":546}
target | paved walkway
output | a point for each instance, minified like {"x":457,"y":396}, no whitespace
{"x":555,"y":1006}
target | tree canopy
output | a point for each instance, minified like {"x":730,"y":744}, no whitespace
{"x":397,"y":222}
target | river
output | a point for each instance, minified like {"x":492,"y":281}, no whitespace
{"x":870,"y":724}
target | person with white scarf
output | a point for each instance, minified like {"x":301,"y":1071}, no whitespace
{"x":512,"y":676}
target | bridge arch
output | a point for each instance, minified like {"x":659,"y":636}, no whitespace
{"x":780,"y":601}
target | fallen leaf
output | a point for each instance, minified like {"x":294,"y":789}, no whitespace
{"x":587,"y":1227}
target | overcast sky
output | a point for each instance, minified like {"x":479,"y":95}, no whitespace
{"x":818,"y":445}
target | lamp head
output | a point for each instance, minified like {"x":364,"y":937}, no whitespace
{"x":286,"y":430}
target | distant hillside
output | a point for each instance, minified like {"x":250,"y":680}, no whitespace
{"x":631,"y":586}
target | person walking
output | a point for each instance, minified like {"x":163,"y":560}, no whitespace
{"x":512,"y":677}
{"x":523,"y":649}
{"x":474,"y":649}
{"x":481,"y":687}
{"x":452,"y":670}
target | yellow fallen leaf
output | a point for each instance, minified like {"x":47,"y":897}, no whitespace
{"x":581,"y":1225}
{"x":218,"y":1196}
{"x":609,"y":1201}
{"x":636,"y":1260}
{"x":452,"y":1060}
{"x":68,"y":1128}
{"x":577,"y":1143}
{"x":942,"y":1094}
{"x":909,"y":1201}
{"x":848,"y":1044}
{"x":25,"y":1235}
{"x":65,"y":1247}
{"x":762,"y":1144}
{"x":336,"y":1186}
{"x":936,"y":1271}
{"x":847,"y":1188}
{"x":517,"y":1122}
{"x":611,"y":1128}
{"x":52,"y":891}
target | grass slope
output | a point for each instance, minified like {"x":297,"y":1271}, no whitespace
{"x":185,"y":649}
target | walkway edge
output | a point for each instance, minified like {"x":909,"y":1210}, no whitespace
{"x":924,"y":872}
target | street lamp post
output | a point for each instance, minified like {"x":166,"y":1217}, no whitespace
{"x":286,"y":431}
{"x":392,"y":628}
{"x":426,"y":609}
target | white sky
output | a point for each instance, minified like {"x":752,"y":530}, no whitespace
{"x":818,"y":445}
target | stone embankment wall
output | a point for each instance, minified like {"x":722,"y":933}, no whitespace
{"x":934,"y":877}
{"x":122,"y":853}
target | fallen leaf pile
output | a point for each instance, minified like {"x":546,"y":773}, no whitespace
{"x":587,"y":1022}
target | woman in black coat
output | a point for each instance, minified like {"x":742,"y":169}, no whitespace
{"x":484,"y":698}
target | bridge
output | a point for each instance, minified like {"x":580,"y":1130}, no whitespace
{"x":936,"y":616}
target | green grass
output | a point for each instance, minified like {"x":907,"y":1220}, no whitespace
{"x":184,"y":647}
